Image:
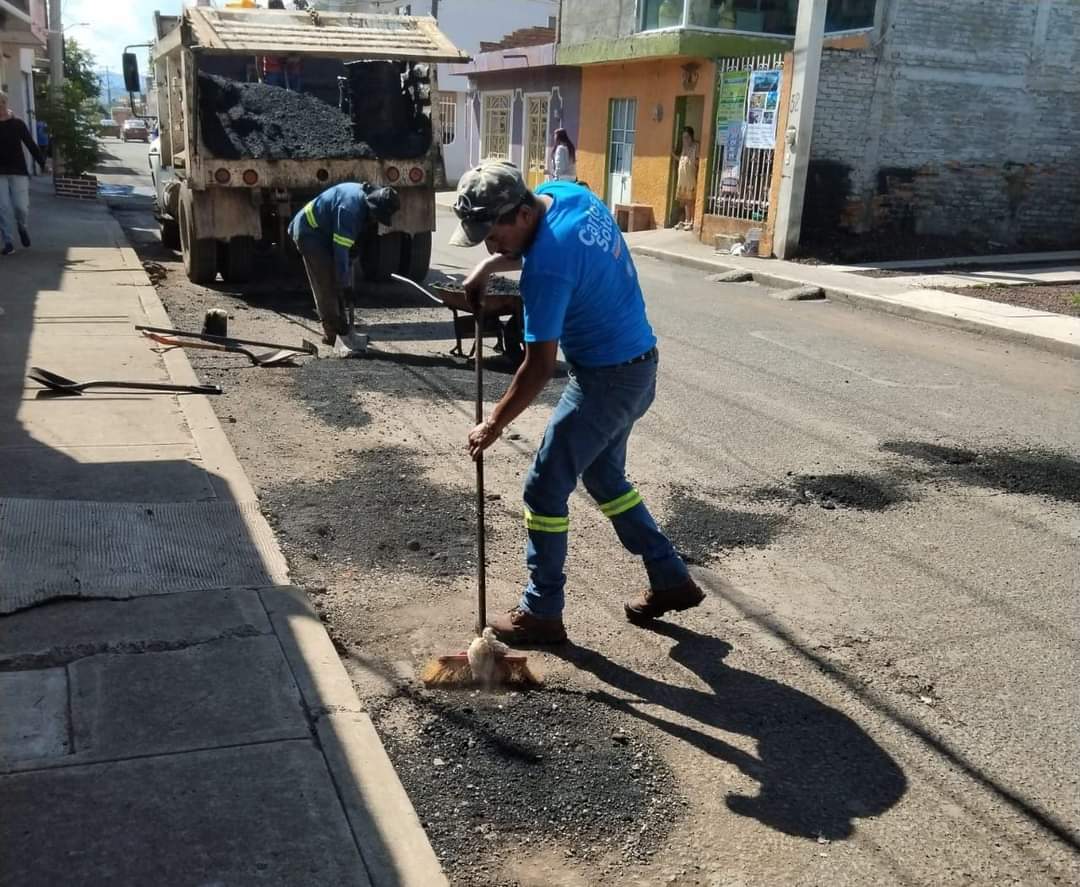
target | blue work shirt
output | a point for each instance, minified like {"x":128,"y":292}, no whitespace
{"x":337,"y":218}
{"x":579,"y":284}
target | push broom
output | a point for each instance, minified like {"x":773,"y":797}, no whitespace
{"x":487,"y":662}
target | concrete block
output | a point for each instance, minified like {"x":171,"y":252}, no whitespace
{"x":731,"y":277}
{"x":799,"y":294}
{"x":34,"y":724}
{"x":265,"y":815}
{"x":71,"y":630}
{"x":220,"y":693}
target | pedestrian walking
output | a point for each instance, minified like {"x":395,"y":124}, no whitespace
{"x":326,"y":232}
{"x":15,"y":178}
{"x":580,"y":291}
{"x":563,"y":158}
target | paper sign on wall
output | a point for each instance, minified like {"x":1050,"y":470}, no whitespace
{"x":733,"y":145}
{"x":762,"y":108}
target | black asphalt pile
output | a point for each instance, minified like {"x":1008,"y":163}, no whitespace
{"x":491,"y":773}
{"x":258,"y":121}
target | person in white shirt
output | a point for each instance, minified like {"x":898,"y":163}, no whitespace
{"x":563,"y":158}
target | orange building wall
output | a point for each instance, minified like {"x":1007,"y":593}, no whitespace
{"x":650,"y":82}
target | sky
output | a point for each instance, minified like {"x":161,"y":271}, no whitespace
{"x":113,"y":24}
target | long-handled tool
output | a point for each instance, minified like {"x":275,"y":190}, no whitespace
{"x":61,"y":385}
{"x":271,"y":359}
{"x":305,"y":347}
{"x":487,"y":661}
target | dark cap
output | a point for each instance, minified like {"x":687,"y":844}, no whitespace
{"x":384,"y":202}
{"x":485,"y":193}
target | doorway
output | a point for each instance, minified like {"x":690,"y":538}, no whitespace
{"x":623,"y":116}
{"x":689,"y":111}
{"x":537,"y":108}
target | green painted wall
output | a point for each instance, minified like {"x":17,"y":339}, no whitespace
{"x":700,"y":44}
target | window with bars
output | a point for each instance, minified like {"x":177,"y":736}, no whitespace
{"x":495,"y":138}
{"x":448,"y":118}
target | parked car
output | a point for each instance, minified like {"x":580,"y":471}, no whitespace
{"x":135,"y":130}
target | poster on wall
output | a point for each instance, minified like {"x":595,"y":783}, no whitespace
{"x":733,"y":145}
{"x":761,"y":109}
{"x":730,"y":100}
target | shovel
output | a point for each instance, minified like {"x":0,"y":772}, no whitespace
{"x":273,"y":359}
{"x":305,"y":346}
{"x":62,"y":385}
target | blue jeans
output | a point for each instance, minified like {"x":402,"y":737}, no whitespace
{"x":586,"y":438}
{"x":14,"y":206}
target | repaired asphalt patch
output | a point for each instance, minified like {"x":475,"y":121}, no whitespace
{"x":525,"y":770}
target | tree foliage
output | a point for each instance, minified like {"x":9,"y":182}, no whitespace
{"x":72,"y":119}
{"x":79,"y":69}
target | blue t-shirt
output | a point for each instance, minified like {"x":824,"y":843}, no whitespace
{"x":579,"y":284}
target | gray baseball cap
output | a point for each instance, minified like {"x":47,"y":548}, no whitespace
{"x":485,"y":193}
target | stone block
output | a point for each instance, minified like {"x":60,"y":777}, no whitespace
{"x":34,"y":722}
{"x":220,"y":693}
{"x":262,"y":815}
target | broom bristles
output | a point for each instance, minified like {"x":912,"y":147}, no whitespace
{"x":454,"y":671}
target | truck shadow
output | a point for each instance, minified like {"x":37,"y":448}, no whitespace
{"x":818,"y":770}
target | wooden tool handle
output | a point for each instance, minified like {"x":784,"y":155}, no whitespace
{"x":481,"y":567}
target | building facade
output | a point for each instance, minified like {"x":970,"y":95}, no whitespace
{"x":22,"y":39}
{"x":952,"y":120}
{"x":649,"y":69}
{"x":518,"y":97}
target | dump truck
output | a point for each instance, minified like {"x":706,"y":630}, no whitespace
{"x":261,"y":109}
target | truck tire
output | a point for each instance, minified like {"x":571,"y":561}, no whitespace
{"x":238,"y":260}
{"x":416,"y":256}
{"x":382,"y":256}
{"x":170,"y":234}
{"x":200,"y":254}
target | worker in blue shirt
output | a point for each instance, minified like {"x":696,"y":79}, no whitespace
{"x":580,"y":292}
{"x":326,"y":232}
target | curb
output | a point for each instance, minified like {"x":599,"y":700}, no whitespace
{"x":394,"y":846}
{"x":861,"y":299}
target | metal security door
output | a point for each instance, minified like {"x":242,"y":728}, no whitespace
{"x":536,"y":136}
{"x":495,"y":132}
{"x":621,"y":150}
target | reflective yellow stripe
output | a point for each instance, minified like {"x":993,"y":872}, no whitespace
{"x":309,"y":213}
{"x":341,"y":240}
{"x":624,"y":503}
{"x":546,"y":524}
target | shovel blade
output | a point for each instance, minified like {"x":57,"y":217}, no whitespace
{"x":53,"y":380}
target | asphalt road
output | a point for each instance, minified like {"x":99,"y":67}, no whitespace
{"x":883,"y":686}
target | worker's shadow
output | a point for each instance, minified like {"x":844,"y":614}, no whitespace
{"x":817,"y":769}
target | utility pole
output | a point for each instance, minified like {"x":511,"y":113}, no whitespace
{"x":108,"y":87}
{"x":56,"y":47}
{"x":809,"y":37}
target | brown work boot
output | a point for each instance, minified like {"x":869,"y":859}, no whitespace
{"x":520,"y":627}
{"x":653,"y":604}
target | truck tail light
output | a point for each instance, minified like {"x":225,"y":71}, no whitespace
{"x":251,"y":177}
{"x":322,"y":175}
{"x":222,"y":176}
{"x":392,"y":174}
{"x":416,"y":175}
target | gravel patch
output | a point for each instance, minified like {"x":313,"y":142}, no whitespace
{"x":492,"y":773}
{"x":1055,"y":298}
{"x":702,"y":531}
{"x":862,"y":492}
{"x":382,"y":512}
{"x":1031,"y":471}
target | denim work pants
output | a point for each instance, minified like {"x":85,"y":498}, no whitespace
{"x":586,"y":438}
{"x":14,"y":206}
{"x":325,"y":287}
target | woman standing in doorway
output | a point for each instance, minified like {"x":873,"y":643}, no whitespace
{"x":563,"y":158}
{"x":686,"y":178}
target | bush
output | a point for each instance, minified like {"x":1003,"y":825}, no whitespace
{"x":72,"y":119}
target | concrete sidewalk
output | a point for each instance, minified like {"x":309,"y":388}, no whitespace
{"x":173,"y":712}
{"x":903,"y":296}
